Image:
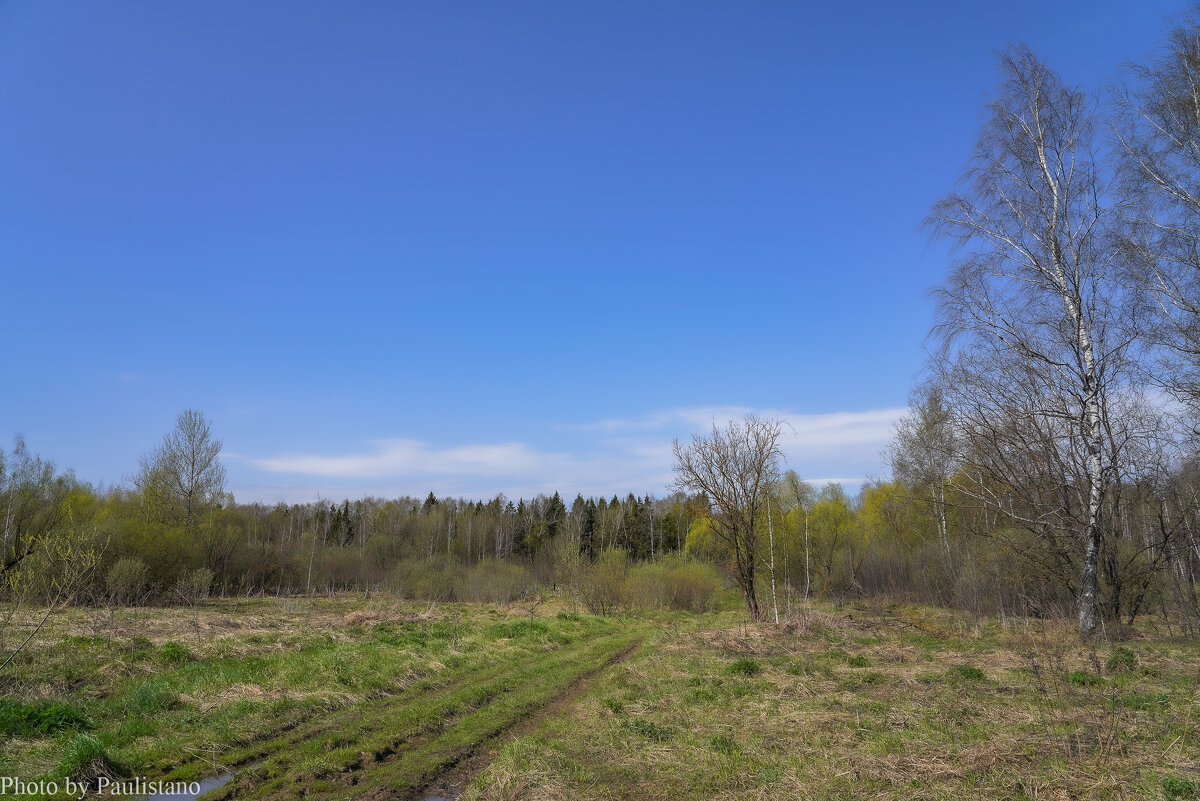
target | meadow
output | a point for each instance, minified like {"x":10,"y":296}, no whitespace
{"x":347,"y":698}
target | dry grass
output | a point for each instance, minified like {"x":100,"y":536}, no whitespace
{"x":880,"y":701}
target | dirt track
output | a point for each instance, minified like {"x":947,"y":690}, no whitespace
{"x":475,"y":759}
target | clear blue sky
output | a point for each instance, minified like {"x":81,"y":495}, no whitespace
{"x":471,"y":247}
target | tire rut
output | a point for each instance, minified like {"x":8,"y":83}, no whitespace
{"x":463,"y":767}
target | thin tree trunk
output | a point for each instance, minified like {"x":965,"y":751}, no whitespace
{"x":771,"y":540}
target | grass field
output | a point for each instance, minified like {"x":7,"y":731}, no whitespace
{"x":343,"y":698}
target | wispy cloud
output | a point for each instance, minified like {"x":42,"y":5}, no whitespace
{"x":405,"y":457}
{"x":604,"y":457}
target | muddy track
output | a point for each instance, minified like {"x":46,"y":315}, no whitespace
{"x":465,"y":765}
{"x":319,"y":725}
{"x":447,"y":726}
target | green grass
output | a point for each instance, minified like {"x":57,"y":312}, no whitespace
{"x":897,"y":720}
{"x":39,"y":718}
{"x":308,"y":685}
{"x":337,"y":698}
{"x":745,"y":667}
{"x":966,"y":673}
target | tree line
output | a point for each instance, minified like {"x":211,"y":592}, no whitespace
{"x":174,"y":522}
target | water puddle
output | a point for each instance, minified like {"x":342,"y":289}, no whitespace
{"x":200,"y":786}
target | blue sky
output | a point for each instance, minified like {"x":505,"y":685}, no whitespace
{"x":391,"y":248}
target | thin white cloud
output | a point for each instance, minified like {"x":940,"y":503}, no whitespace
{"x":403,"y":457}
{"x":669,"y":418}
{"x":831,"y":427}
{"x":607,"y":457}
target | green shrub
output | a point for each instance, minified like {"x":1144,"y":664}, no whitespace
{"x":193,"y":585}
{"x":1175,"y":788}
{"x":603,"y":585}
{"x":85,"y":758}
{"x":859,"y":661}
{"x":152,"y":697}
{"x":438,"y":580}
{"x":693,"y":586}
{"x":175,"y":653}
{"x":966,"y":673}
{"x":127,"y":580}
{"x":1081,"y":678}
{"x":496,"y":582}
{"x":39,"y":718}
{"x":1123,"y":659}
{"x":745,"y":667}
{"x":646,"y":586}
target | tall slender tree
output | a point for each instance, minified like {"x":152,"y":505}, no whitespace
{"x":1030,"y":314}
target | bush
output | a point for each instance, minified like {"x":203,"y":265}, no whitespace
{"x":692,"y":586}
{"x":496,"y":582}
{"x":1123,"y":659}
{"x":86,"y":759}
{"x":1175,"y":788}
{"x":193,"y":585}
{"x":646,"y":586}
{"x":1081,"y":678}
{"x":127,"y":580}
{"x":175,"y":653}
{"x":437,"y":580}
{"x":745,"y":667}
{"x":604,"y":584}
{"x":38,"y":719}
{"x":674,"y":582}
{"x":966,"y":672}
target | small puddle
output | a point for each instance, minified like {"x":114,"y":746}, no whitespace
{"x":201,"y":786}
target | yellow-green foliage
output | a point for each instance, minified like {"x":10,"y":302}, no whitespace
{"x":603,"y":589}
{"x":494,"y":581}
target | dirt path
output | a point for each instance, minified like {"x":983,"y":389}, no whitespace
{"x":468,"y":764}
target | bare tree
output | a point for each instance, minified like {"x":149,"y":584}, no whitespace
{"x":183,"y":478}
{"x":1157,"y":131}
{"x":1030,"y":314}
{"x":730,"y":474}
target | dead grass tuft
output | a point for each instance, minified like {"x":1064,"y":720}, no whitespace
{"x":361,"y":616}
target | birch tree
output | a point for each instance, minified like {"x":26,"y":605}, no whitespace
{"x":923,"y":454}
{"x":1029,"y":315}
{"x":1157,"y":132}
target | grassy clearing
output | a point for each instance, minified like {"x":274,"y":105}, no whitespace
{"x":327,"y":694}
{"x":346,"y":699}
{"x":875,"y":702}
